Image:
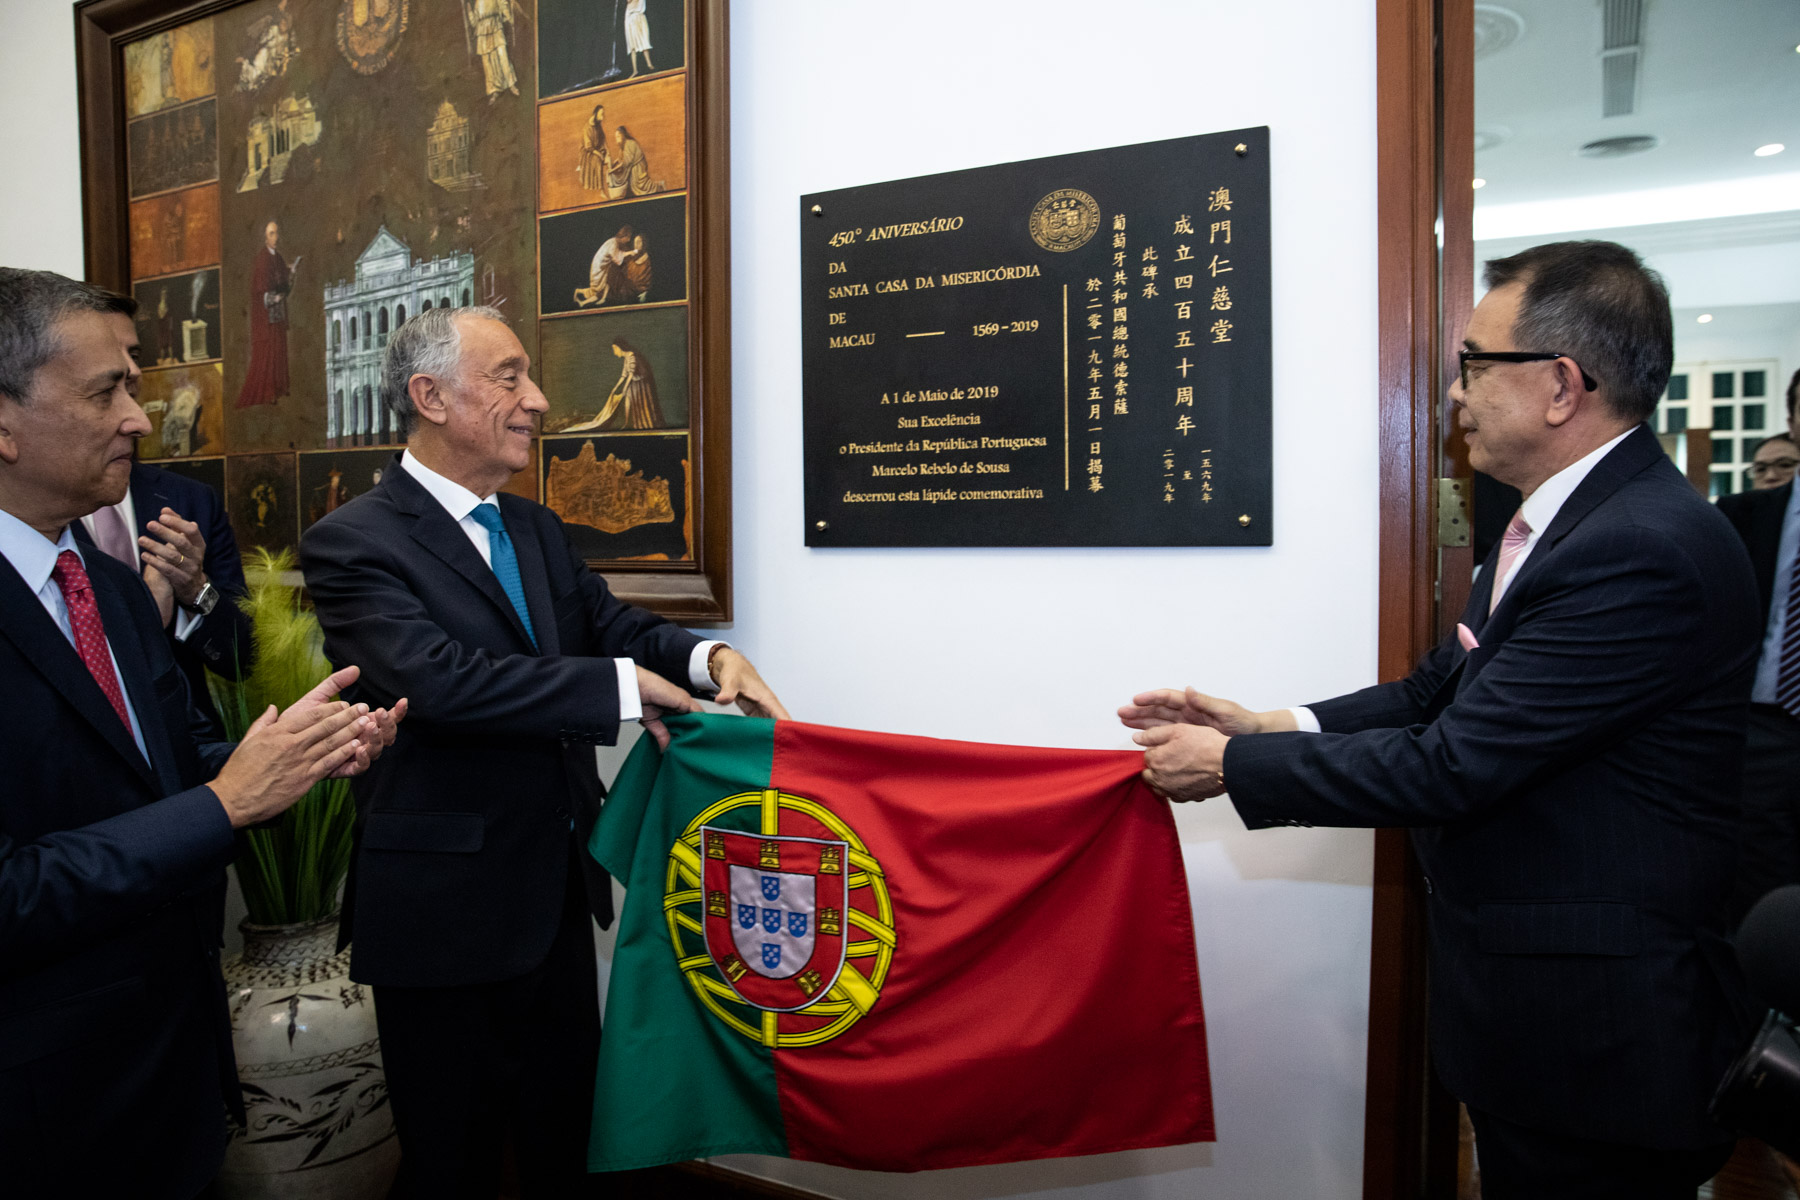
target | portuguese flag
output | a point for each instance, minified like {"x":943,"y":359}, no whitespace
{"x":894,"y":953}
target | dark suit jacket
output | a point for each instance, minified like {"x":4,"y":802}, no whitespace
{"x":463,"y":826}
{"x":115,"y":1050}
{"x":1571,"y":785}
{"x":223,"y":639}
{"x":1758,"y":516}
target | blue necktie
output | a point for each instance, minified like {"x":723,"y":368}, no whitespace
{"x":505,"y":563}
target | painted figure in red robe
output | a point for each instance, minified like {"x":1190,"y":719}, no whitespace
{"x":271,"y":280}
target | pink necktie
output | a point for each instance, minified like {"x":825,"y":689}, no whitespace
{"x":1512,"y":544}
{"x":111,"y":536}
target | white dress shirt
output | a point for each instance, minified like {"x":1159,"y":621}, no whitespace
{"x":460,"y":503}
{"x":34,"y":557}
{"x":1540,"y":508}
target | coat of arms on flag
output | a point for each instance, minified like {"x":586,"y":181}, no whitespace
{"x":782,"y":900}
{"x":764,"y":900}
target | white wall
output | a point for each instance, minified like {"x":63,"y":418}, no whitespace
{"x":1039,"y":646}
{"x":40,"y":188}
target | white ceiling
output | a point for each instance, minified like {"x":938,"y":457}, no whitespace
{"x":1717,"y":79}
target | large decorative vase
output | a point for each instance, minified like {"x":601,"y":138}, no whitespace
{"x":310,"y":1063}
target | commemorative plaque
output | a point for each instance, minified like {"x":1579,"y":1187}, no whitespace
{"x":1071,"y":351}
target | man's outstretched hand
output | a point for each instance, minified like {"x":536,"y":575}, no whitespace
{"x":387,"y":726}
{"x":282,"y":755}
{"x":739,"y":684}
{"x":1183,"y":733}
{"x":1183,"y":762}
{"x":1175,"y":706}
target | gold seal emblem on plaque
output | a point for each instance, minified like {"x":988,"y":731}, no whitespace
{"x":1064,"y":220}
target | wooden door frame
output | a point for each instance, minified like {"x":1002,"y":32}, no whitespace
{"x":1425,"y":156}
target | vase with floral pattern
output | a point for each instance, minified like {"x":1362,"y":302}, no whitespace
{"x":309,"y":1059}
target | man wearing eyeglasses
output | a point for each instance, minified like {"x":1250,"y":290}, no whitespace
{"x":1773,"y":463}
{"x":1568,"y":762}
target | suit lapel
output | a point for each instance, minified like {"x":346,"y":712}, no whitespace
{"x":1764,"y":538}
{"x":134,"y":670}
{"x":1475,"y":614}
{"x":536,"y":581}
{"x":444,"y":538}
{"x":147,"y":501}
{"x":1638,"y":452}
{"x":1771,"y":515}
{"x":1629,"y":458}
{"x":39,"y":642}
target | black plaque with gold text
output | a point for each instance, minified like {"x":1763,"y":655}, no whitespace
{"x":1071,"y":351}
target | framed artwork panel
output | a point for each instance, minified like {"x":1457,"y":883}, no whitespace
{"x":622,"y":496}
{"x":618,"y":256}
{"x":185,"y":407}
{"x":283,"y":183}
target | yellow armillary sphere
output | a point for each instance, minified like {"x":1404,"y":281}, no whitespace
{"x":785,"y":932}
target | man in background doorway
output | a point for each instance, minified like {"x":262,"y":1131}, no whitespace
{"x":1773,"y":463}
{"x":1567,"y":763}
{"x":1768,"y":521}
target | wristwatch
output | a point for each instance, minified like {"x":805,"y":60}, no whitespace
{"x":712,"y":657}
{"x":205,"y":602}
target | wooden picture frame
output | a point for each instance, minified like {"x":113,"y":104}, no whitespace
{"x":681,"y":569}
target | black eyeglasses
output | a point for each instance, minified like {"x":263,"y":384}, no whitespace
{"x":1465,"y":357}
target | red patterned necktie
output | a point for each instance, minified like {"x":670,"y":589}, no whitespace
{"x":1512,"y":544}
{"x":90,"y":634}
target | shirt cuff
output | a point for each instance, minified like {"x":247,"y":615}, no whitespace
{"x":1304,"y":720}
{"x":698,"y":675}
{"x":630,"y":707}
{"x":186,"y":622}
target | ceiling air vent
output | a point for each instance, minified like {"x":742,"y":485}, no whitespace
{"x":1622,"y":31}
{"x":1619,"y":147}
{"x":1496,"y":28}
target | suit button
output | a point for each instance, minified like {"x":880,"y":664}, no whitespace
{"x":1429,"y":890}
{"x":562,"y":814}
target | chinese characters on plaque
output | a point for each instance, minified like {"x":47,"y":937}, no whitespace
{"x":1072,"y":351}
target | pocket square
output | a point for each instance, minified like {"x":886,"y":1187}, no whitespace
{"x":1465,"y":637}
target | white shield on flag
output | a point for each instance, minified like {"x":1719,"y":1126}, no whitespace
{"x":776,"y":914}
{"x":772,"y":922}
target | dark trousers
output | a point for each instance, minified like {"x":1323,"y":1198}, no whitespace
{"x":1769,"y":816}
{"x":467,"y":1064}
{"x":1518,"y":1163}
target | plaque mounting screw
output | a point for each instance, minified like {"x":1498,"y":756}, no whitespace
{"x":1241,"y":149}
{"x":819,"y":525}
{"x":818,"y":210}
{"x":1244,"y":520}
